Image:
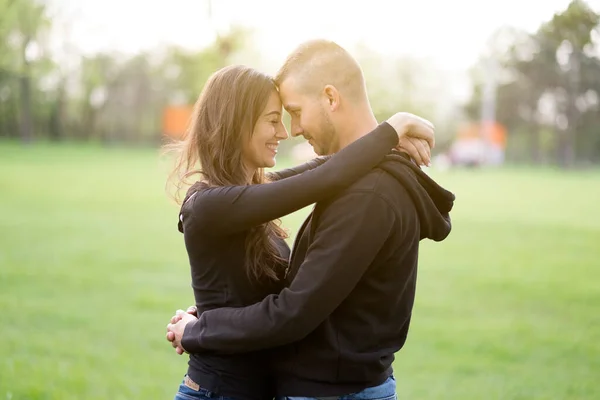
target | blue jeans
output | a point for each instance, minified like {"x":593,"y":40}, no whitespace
{"x":385,"y":391}
{"x":186,"y":392}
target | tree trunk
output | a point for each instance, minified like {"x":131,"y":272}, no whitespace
{"x":56,"y":128}
{"x":535,"y":144}
{"x":567,"y":136}
{"x":25,"y":125}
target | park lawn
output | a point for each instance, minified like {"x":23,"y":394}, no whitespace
{"x":92,"y":267}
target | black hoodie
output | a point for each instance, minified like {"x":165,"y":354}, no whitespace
{"x":432,"y":201}
{"x":351,"y":286}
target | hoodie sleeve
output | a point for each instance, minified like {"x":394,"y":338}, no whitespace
{"x":231,"y":209}
{"x":330,"y":271}
{"x":298,"y":169}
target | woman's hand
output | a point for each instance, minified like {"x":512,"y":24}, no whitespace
{"x":416,"y":136}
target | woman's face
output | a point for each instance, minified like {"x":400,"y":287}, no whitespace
{"x":261,"y":149}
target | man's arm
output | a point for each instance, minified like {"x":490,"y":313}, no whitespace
{"x":351,"y":232}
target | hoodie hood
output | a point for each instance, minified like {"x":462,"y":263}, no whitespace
{"x":433,"y":202}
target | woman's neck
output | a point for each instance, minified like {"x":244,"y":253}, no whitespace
{"x":250,"y":172}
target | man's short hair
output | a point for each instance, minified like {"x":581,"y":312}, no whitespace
{"x":320,"y":62}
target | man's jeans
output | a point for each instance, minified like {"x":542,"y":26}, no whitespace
{"x":385,"y":391}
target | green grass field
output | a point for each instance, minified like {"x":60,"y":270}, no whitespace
{"x":92,"y":267}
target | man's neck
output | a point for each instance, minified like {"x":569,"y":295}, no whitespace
{"x":356,"y":128}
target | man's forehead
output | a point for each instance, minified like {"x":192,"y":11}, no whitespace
{"x":290,"y":96}
{"x":289,"y":87}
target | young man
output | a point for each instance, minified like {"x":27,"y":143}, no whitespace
{"x":353,"y":269}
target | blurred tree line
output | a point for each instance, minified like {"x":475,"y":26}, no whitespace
{"x":547,"y":88}
{"x":106,"y":97}
{"x":63,"y":94}
{"x":546,"y":85}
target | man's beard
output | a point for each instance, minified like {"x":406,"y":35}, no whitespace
{"x":327,"y":135}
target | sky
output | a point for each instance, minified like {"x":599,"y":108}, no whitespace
{"x":450,"y":34}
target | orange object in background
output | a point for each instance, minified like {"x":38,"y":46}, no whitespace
{"x":175,"y":120}
{"x":496,"y":133}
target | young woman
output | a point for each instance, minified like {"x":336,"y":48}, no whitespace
{"x":236,"y":248}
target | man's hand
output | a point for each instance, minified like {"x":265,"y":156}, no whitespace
{"x":416,"y":136}
{"x":177,"y":325}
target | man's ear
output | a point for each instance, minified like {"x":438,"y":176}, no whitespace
{"x":332,"y":97}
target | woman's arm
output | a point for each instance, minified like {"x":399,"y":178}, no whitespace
{"x":298,"y":169}
{"x":230,"y":209}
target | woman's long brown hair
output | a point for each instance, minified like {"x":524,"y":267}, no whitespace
{"x":223,"y":118}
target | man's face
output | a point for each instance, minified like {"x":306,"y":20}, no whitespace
{"x":309,"y":117}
